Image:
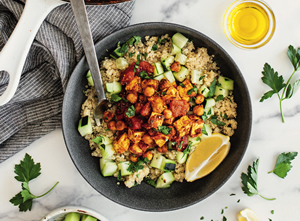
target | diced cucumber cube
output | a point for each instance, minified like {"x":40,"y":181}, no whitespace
{"x":209,"y":112}
{"x":181,"y":58}
{"x":159,"y":77}
{"x":181,"y":157}
{"x":89,"y":78}
{"x":157,"y":161}
{"x":210,"y":102}
{"x":182,"y":74}
{"x":221,"y":91}
{"x":114,"y":87}
{"x":204,"y":90}
{"x":208,"y":130}
{"x":85,"y":126}
{"x":121,"y":63}
{"x":179,"y":40}
{"x":195,"y":77}
{"x":168,"y":165}
{"x":169,"y":75}
{"x":166,"y":62}
{"x":123,"y":166}
{"x":194,"y":140}
{"x":158,"y":69}
{"x":107,"y":167}
{"x":72,"y":217}
{"x":102,"y":140}
{"x":107,"y":150}
{"x":165,"y":180}
{"x":226,"y":83}
{"x":175,"y":49}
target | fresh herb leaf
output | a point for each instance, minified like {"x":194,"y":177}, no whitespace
{"x":219,"y":98}
{"x":26,"y":171}
{"x":201,"y":77}
{"x":214,"y":120}
{"x":97,"y":140}
{"x":204,"y":116}
{"x":202,"y":218}
{"x":204,"y":130}
{"x":134,"y":167}
{"x":194,"y":89}
{"x":182,"y":85}
{"x":232,"y":194}
{"x":272,"y":211}
{"x":115,"y":98}
{"x":225,"y":116}
{"x":212,"y":89}
{"x":145,"y":55}
{"x":131,"y":54}
{"x":150,"y":181}
{"x":130,"y":111}
{"x":144,"y":75}
{"x":187,"y":149}
{"x":283,"y":164}
{"x":154,"y":47}
{"x":276,"y":83}
{"x":249,"y":181}
{"x":164,"y":129}
{"x":198,"y":138}
{"x":137,"y":39}
{"x":119,"y":178}
{"x":180,"y":145}
{"x":164,"y":93}
{"x":161,"y":41}
{"x":224,"y":218}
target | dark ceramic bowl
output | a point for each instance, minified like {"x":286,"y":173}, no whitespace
{"x":145,"y":197}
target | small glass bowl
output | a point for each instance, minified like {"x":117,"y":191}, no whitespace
{"x":265,"y":39}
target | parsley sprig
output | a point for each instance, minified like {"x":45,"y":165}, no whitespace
{"x":276,"y":83}
{"x":26,"y":171}
{"x":249,"y":181}
{"x":283,"y":164}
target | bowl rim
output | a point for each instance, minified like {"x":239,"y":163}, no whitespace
{"x":174,"y":26}
{"x":70,"y":209}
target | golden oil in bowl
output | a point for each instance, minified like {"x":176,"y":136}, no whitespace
{"x":249,"y":24}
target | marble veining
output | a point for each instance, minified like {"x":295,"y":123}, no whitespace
{"x":269,"y":136}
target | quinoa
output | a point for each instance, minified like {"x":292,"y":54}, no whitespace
{"x":197,"y":59}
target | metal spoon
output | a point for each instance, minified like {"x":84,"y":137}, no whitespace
{"x":82,"y":22}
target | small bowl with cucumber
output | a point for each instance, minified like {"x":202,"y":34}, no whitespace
{"x":73,"y":213}
{"x":144,"y":196}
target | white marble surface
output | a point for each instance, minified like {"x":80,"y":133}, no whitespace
{"x":269,"y":135}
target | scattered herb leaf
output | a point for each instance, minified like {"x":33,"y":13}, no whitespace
{"x":283,"y":164}
{"x":219,"y":98}
{"x":115,"y":98}
{"x":131,"y":54}
{"x":130,"y":111}
{"x":215,"y":121}
{"x":204,"y":130}
{"x":249,"y":181}
{"x":194,"y":89}
{"x":212,"y":89}
{"x":97,"y":140}
{"x":154,"y":47}
{"x":164,"y":129}
{"x":26,"y":171}
{"x":150,"y":181}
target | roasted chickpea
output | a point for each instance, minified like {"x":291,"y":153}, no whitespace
{"x":147,"y":139}
{"x":149,"y":91}
{"x":199,"y":99}
{"x":168,"y":114}
{"x":112,"y":125}
{"x":175,"y":66}
{"x":108,"y":116}
{"x":132,"y":98}
{"x":148,"y":155}
{"x":120,"y":125}
{"x":198,"y":110}
{"x":133,"y":158}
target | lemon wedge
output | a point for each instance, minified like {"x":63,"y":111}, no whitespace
{"x":247,"y":215}
{"x":207,"y":156}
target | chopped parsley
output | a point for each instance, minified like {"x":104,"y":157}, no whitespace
{"x":154,"y":47}
{"x":115,"y":98}
{"x":204,"y":130}
{"x":215,"y":121}
{"x":219,"y":98}
{"x":150,"y":181}
{"x":130,"y":111}
{"x":131,"y":54}
{"x":134,"y":167}
{"x":201,"y":78}
{"x":212,"y":89}
{"x":164,"y":129}
{"x":144,"y":75}
{"x":194,"y":89}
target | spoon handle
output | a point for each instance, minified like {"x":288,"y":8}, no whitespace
{"x":82,"y":22}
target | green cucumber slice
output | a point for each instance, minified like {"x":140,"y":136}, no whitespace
{"x":123,"y":166}
{"x":194,"y":140}
{"x":179,"y":40}
{"x":159,"y":77}
{"x":88,"y":218}
{"x":89,"y":78}
{"x":208,"y":130}
{"x":175,"y":49}
{"x":181,"y":157}
{"x":167,"y":62}
{"x":168,"y":165}
{"x":195,"y":77}
{"x":85,"y":126}
{"x":210,"y":102}
{"x":158,"y":69}
{"x":169,"y":75}
{"x":72,"y":217}
{"x":165,"y":180}
{"x":157,"y":161}
{"x":204,"y":90}
{"x":181,"y":58}
{"x":107,"y":150}
{"x":182,"y":74}
{"x":114,"y":87}
{"x":108,"y":167}
{"x":226,"y":83}
{"x":221,"y":91}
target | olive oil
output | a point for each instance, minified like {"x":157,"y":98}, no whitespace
{"x":248,"y":23}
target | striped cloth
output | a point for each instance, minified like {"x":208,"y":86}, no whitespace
{"x":35,"y":110}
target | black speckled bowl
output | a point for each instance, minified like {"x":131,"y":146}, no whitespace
{"x":145,"y":197}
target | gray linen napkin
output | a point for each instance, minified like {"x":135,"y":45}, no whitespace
{"x":35,"y":110}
